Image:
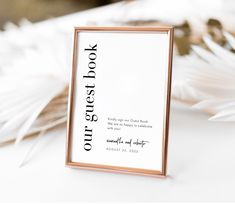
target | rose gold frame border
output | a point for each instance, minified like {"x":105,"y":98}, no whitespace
{"x":166,"y":116}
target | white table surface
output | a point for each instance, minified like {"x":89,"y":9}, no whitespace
{"x":201,"y":168}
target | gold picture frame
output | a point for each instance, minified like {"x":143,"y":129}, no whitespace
{"x":70,"y":125}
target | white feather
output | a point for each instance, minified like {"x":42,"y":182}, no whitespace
{"x":209,"y":80}
{"x":33,"y":72}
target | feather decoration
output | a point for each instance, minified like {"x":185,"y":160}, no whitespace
{"x":33,"y":81}
{"x":208,"y":79}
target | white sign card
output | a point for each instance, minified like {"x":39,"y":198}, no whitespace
{"x":119,"y":103}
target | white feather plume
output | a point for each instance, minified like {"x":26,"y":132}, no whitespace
{"x":208,"y":79}
{"x":33,"y":81}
